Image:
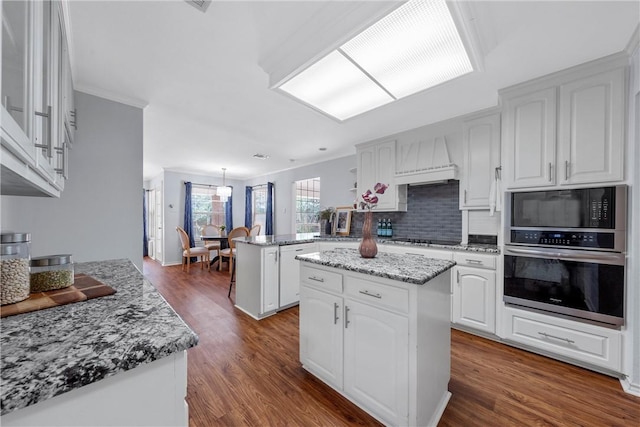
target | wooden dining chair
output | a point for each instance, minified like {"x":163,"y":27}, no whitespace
{"x":255,"y":230}
{"x":211,"y":230}
{"x":188,"y":251}
{"x":230,"y":252}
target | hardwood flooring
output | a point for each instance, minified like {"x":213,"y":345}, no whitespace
{"x":247,"y":372}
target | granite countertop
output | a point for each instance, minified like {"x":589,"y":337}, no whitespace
{"x":49,"y":352}
{"x":408,"y":268}
{"x":292,"y":239}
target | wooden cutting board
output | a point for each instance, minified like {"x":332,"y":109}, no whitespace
{"x":84,"y":288}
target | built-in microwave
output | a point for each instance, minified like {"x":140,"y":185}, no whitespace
{"x":586,"y":218}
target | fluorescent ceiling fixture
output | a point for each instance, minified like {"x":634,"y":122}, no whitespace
{"x":415,"y":47}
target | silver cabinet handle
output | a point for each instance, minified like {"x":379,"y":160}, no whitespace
{"x":566,"y":170}
{"x":73,"y":114}
{"x":299,"y":250}
{"x":465,"y":197}
{"x":335,"y":313}
{"x":346,"y":317}
{"x":276,"y":257}
{"x":458,"y":276}
{"x":48,"y":146}
{"x":474,"y":261}
{"x":64,"y":151}
{"x":549,"y":171}
{"x":371,"y":294}
{"x":316,"y":279}
{"x":546,"y":335}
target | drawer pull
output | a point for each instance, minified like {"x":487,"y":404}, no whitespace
{"x":474,"y":261}
{"x":546,"y":335}
{"x":370,"y":294}
{"x":299,"y":250}
{"x":316,"y":279}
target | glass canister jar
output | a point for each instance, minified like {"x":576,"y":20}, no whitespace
{"x":51,"y":272}
{"x":15,"y":250}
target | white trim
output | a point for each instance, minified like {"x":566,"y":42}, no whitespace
{"x":110,"y":96}
{"x":634,"y":41}
{"x":628,"y":387}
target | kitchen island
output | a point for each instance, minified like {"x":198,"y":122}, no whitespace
{"x":378,"y":331}
{"x":114,"y":360}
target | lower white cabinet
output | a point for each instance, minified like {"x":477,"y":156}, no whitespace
{"x":290,"y":272}
{"x":474,"y":292}
{"x":383,"y":344}
{"x":269,"y":280}
{"x":571,"y":340}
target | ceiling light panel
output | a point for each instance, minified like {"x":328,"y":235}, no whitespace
{"x":415,"y":47}
{"x":337,"y":87}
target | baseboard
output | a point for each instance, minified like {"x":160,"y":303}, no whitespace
{"x":630,"y":387}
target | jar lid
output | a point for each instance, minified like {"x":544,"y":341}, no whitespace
{"x":43,"y":261}
{"x":9,"y":250}
{"x":15,"y":237}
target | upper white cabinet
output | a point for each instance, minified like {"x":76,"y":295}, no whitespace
{"x":481,"y":160}
{"x":567,"y":128}
{"x":34,"y":56}
{"x":377,"y":163}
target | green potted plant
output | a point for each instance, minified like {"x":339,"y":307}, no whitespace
{"x":223,"y":229}
{"x":326,"y":220}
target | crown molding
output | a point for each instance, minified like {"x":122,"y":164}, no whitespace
{"x":101,"y":93}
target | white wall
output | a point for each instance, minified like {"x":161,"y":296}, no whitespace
{"x":99,"y":215}
{"x":173,"y":207}
{"x":335,"y":182}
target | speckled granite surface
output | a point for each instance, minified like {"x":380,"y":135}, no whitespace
{"x":292,"y":239}
{"x":49,"y":352}
{"x":409,"y":268}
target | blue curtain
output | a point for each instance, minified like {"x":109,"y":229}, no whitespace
{"x":145,"y":238}
{"x":228,"y":212}
{"x":269,"y":225}
{"x":248,"y":207}
{"x":188,"y":217}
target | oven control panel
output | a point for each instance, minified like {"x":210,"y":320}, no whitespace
{"x":580,"y":239}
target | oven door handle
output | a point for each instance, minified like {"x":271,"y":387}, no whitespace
{"x":570,"y":255}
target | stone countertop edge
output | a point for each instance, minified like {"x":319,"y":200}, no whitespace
{"x":292,"y":239}
{"x":49,"y":352}
{"x":408,"y":268}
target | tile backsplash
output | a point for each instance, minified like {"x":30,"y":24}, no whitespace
{"x":432,"y":213}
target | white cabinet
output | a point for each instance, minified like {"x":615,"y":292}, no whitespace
{"x":377,"y":163}
{"x":34,"y":154}
{"x":564,"y":338}
{"x":567,"y":128}
{"x":290,"y":272}
{"x":367,"y":338}
{"x":269,"y":279}
{"x":474,"y":291}
{"x":481,"y":158}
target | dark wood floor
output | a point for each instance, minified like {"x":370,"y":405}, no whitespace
{"x":246,"y":372}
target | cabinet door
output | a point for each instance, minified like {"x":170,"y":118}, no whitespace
{"x":591,"y":129}
{"x":321,"y":335}
{"x":530,"y":139}
{"x":385,"y":173}
{"x":270,"y":279}
{"x":290,"y":272}
{"x":376,"y":360}
{"x":481,"y":157}
{"x":474,"y":298}
{"x":366,"y":169}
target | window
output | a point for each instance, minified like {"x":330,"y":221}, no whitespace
{"x":206,"y":208}
{"x":308,"y":205}
{"x":259,"y":208}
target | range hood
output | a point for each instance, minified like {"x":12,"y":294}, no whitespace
{"x":425,"y":162}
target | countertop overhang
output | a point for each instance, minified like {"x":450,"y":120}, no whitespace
{"x":408,"y":268}
{"x":49,"y":352}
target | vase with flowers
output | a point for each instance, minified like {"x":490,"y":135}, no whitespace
{"x":368,"y":247}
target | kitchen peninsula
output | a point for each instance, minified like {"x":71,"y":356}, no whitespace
{"x":114,"y":360}
{"x":377,"y":331}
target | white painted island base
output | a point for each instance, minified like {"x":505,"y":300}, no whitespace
{"x":383,"y":344}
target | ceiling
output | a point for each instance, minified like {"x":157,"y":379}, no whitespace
{"x":207,"y":100}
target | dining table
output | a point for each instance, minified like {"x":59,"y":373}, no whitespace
{"x":223,"y":245}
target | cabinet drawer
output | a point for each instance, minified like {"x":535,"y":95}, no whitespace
{"x":473,"y":259}
{"x":322,"y":279}
{"x":595,"y":345}
{"x":377,"y":294}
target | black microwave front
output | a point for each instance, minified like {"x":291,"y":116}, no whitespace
{"x":584,"y":218}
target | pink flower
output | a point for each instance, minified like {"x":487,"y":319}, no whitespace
{"x":369,"y":198}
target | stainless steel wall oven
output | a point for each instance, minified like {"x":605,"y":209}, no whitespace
{"x":565,"y":252}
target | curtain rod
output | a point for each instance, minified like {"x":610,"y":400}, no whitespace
{"x":207,"y":185}
{"x":259,"y":185}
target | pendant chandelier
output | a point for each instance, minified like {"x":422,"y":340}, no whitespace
{"x":224,"y":192}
